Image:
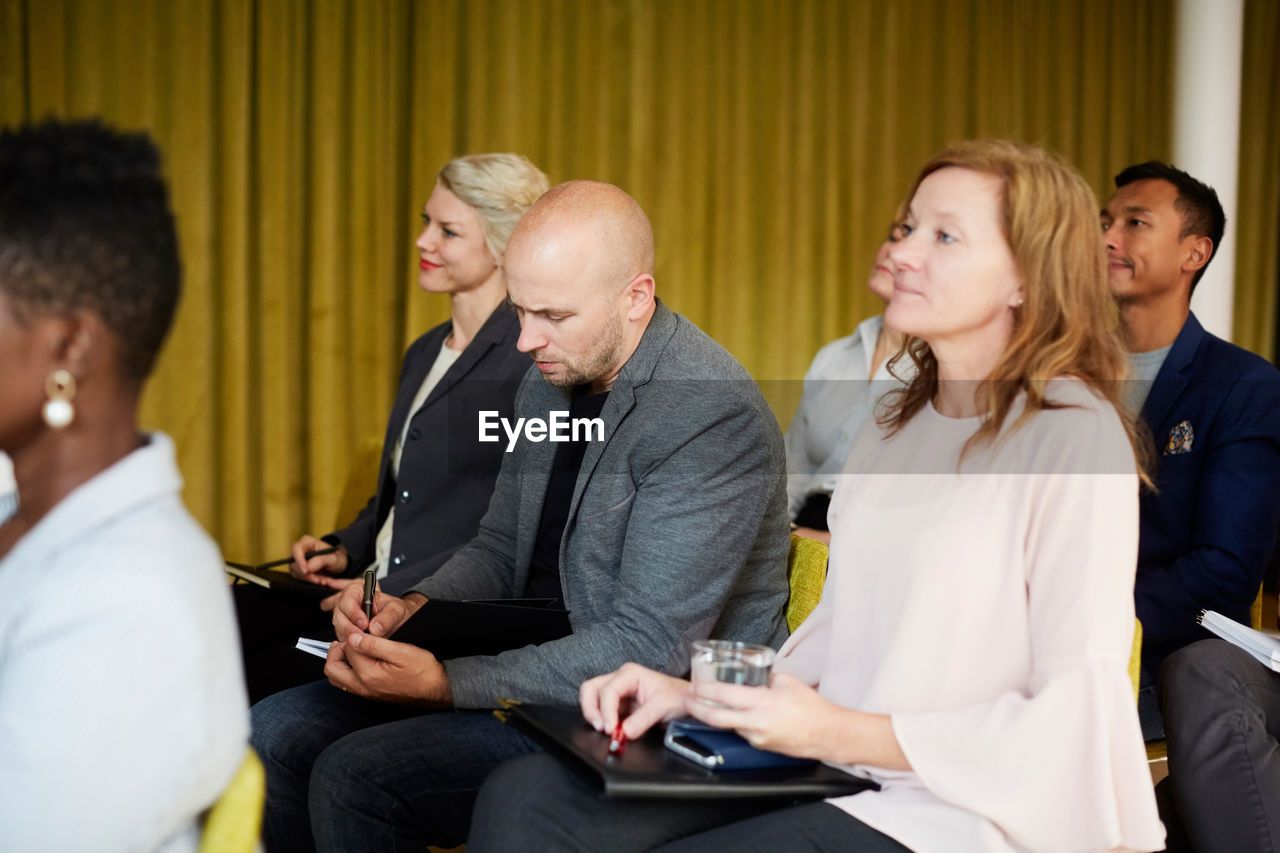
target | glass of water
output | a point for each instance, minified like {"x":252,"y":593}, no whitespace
{"x":731,"y":662}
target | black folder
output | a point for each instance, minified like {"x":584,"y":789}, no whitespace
{"x":268,"y":576}
{"x":454,"y":629}
{"x":646,"y":768}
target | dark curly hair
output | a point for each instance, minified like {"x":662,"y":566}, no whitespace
{"x":85,"y":224}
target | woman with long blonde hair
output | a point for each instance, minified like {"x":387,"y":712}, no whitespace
{"x":970,"y":651}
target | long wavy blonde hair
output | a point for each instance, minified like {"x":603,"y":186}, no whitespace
{"x":1068,"y":323}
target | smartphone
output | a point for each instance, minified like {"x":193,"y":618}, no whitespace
{"x":721,"y":749}
{"x":686,"y":747}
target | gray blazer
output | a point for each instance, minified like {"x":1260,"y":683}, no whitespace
{"x":677,"y":530}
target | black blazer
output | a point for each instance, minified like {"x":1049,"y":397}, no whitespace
{"x":446,"y":474}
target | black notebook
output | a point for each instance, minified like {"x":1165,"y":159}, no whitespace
{"x":455,"y":629}
{"x":646,"y":768}
{"x":269,"y":576}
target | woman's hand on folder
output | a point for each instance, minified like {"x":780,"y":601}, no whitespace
{"x":317,"y":568}
{"x":637,"y":696}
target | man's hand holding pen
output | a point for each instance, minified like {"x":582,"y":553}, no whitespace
{"x":382,"y":669}
{"x":389,"y":611}
{"x":367,"y":663}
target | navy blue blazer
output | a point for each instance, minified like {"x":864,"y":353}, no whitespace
{"x":446,"y":473}
{"x":1208,"y":531}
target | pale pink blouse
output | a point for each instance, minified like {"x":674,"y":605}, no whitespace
{"x":990,"y":612}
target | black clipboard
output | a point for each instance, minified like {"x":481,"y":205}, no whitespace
{"x":646,"y":768}
{"x":455,"y":629}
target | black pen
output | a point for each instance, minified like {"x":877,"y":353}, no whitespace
{"x":370,"y":578}
{"x":277,"y":563}
{"x":287,"y":560}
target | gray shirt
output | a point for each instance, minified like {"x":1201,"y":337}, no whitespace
{"x":1146,"y":367}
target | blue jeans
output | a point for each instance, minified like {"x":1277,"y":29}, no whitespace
{"x":345,"y":773}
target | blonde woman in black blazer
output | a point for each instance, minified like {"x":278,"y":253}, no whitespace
{"x":435,"y":477}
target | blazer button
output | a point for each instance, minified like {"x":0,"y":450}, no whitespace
{"x":405,"y":496}
{"x":397,"y":560}
{"x":414,"y":434}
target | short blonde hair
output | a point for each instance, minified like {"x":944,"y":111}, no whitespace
{"x":499,"y":187}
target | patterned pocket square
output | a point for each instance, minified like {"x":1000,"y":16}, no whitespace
{"x":1180,"y":440}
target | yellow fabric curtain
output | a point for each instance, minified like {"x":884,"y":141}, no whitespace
{"x":769,"y":140}
{"x":1257,"y":222}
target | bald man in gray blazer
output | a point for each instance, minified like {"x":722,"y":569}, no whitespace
{"x":667,"y":526}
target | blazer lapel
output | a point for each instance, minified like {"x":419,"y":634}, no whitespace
{"x":413,"y":381}
{"x":490,"y":334}
{"x":1171,"y":381}
{"x":620,"y":403}
{"x":409,"y":386}
{"x":622,"y":397}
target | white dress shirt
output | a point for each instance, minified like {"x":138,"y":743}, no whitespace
{"x":839,"y":396}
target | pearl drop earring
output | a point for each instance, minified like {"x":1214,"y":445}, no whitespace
{"x":60,"y":388}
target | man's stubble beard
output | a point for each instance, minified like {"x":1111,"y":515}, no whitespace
{"x":600,"y":360}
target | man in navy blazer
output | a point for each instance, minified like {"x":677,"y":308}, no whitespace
{"x":1213,"y":410}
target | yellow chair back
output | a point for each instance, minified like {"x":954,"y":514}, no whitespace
{"x":806,"y":573}
{"x":1135,"y":657}
{"x":233,"y":824}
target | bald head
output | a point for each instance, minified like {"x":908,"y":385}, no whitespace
{"x":586,"y":223}
{"x":579,"y":271}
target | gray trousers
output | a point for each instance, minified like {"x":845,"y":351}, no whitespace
{"x":536,"y":804}
{"x":1222,"y":722}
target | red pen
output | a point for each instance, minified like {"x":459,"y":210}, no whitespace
{"x":618,"y":744}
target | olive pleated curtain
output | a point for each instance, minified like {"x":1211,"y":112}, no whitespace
{"x":1257,"y":221}
{"x":769,"y":140}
